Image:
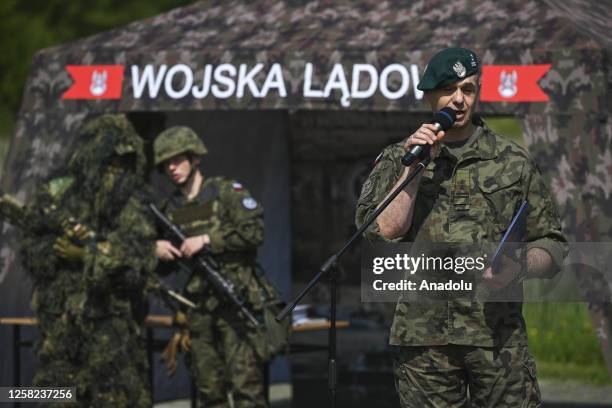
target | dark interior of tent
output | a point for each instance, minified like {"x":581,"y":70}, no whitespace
{"x":312,"y":163}
{"x":307,"y":169}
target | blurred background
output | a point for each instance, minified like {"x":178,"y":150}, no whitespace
{"x":561,"y":336}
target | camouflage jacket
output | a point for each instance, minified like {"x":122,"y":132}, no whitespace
{"x":225,"y":211}
{"x":110,"y":280}
{"x":470,"y":199}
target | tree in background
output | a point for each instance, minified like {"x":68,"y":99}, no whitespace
{"x":28,"y":26}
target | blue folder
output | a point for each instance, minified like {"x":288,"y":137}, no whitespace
{"x":515,"y":233}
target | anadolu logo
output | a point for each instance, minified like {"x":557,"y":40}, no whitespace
{"x":95,"y":82}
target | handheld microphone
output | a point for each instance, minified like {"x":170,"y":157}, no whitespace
{"x":443,"y":120}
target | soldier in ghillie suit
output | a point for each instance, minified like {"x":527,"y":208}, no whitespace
{"x":89,"y":248}
{"x":226,"y":353}
{"x":467,"y":195}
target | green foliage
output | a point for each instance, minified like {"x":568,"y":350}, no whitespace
{"x":4,"y":146}
{"x":508,"y":126}
{"x":28,"y":26}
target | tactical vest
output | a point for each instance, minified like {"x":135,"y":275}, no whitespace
{"x":199,"y":215}
{"x":204,"y":214}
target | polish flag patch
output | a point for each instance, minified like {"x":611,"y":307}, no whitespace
{"x":237,"y":187}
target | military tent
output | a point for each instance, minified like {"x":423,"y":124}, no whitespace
{"x":296,"y":98}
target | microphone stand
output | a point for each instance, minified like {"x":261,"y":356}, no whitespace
{"x":329,"y":268}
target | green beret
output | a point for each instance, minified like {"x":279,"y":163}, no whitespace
{"x":449,"y":66}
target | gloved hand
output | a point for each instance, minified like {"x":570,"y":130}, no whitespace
{"x":65,"y":249}
{"x":79,"y":233}
{"x":179,"y":339}
{"x":180,"y":319}
{"x":185,"y":341}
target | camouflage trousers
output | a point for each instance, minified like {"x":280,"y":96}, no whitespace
{"x":225,"y":359}
{"x":103,"y":358}
{"x":450,"y":376}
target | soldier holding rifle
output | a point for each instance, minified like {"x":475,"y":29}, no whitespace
{"x":226,"y":351}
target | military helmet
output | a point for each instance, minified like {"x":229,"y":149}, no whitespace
{"x":177,"y":140}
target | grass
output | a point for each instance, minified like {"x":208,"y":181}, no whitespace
{"x":561,"y":336}
{"x":564,"y":344}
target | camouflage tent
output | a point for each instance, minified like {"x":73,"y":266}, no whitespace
{"x":548,"y":63}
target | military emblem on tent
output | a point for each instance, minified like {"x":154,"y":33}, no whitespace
{"x":459,"y":69}
{"x":98,"y":83}
{"x":507,"y":84}
{"x":95,"y":82}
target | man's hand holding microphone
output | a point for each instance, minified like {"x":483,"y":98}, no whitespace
{"x":396,"y":219}
{"x":424,"y":141}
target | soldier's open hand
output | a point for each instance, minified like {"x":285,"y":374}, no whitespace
{"x":166,"y":251}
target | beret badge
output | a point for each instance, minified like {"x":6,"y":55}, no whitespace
{"x":459,"y":69}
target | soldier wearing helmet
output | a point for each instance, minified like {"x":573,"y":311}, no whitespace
{"x":225,"y":355}
{"x":179,"y":142}
{"x":89,"y":248}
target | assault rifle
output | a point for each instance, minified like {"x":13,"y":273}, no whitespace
{"x":203,"y":262}
{"x":12,"y":210}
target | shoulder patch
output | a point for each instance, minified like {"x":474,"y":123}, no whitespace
{"x":237,"y":186}
{"x":249,"y":203}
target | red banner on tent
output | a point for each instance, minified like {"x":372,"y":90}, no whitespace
{"x":513,"y":83}
{"x":95,"y":82}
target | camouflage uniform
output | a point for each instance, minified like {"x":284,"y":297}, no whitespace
{"x":466,"y":199}
{"x":227,"y":355}
{"x":91,"y":310}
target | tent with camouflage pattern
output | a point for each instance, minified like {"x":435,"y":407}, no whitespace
{"x":546,"y":63}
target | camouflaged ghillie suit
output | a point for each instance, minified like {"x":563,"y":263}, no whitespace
{"x":225,"y":350}
{"x":91,"y":311}
{"x":466,"y":199}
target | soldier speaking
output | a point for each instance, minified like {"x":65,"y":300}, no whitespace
{"x":450,"y":349}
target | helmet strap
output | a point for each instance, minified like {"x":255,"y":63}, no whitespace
{"x":188,"y":187}
{"x":192,"y":170}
